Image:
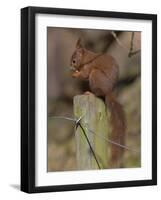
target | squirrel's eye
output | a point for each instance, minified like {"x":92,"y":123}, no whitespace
{"x":73,"y":61}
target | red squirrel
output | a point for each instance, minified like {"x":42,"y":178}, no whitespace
{"x":101,"y":70}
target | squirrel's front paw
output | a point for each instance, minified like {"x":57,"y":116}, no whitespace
{"x":75,"y":74}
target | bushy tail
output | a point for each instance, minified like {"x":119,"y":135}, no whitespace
{"x":118,"y":127}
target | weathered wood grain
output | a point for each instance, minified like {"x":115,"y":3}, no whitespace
{"x":95,"y":119}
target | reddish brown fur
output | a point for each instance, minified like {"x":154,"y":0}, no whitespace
{"x":101,"y":70}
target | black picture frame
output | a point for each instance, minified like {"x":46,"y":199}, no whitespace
{"x":28,"y":98}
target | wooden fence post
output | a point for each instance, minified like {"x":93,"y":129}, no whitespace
{"x":95,"y":123}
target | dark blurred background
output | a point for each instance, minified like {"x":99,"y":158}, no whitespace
{"x":62,"y":88}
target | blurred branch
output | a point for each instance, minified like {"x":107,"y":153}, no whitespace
{"x":118,"y":41}
{"x":130,"y":51}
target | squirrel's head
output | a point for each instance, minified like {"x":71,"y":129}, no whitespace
{"x":77,"y":56}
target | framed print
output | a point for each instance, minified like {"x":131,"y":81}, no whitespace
{"x":88,"y":99}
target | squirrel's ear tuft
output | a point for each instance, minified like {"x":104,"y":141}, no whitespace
{"x":81,"y":51}
{"x":78,"y":44}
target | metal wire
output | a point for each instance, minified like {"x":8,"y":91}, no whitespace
{"x":112,"y":142}
{"x":91,"y":148}
{"x":77,"y":121}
